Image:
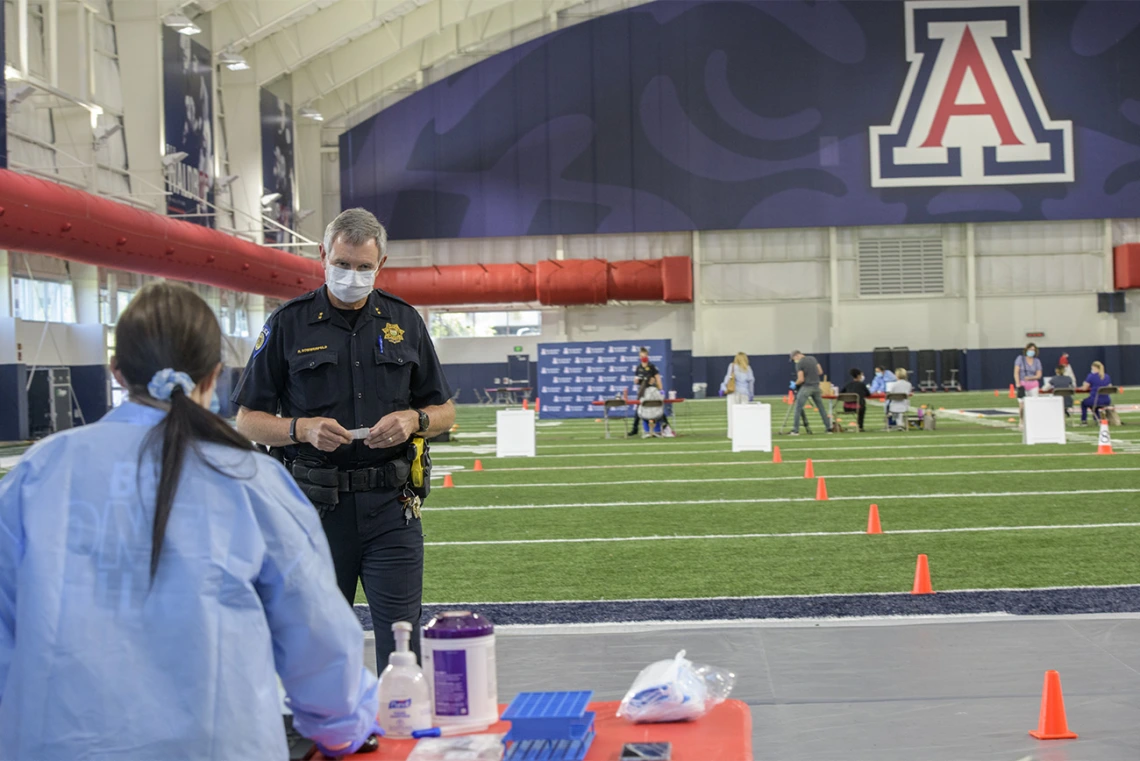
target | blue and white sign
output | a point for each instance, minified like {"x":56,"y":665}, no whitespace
{"x":970,"y":112}
{"x":571,"y":376}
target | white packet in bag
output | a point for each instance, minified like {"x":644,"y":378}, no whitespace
{"x":675,"y":690}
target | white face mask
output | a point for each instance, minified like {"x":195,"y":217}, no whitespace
{"x":349,"y":286}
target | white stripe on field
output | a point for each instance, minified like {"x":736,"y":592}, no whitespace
{"x":800,"y":439}
{"x":785,"y":500}
{"x":792,"y":534}
{"x":769,"y":462}
{"x":654,"y":451}
{"x":793,"y":478}
{"x":749,"y":598}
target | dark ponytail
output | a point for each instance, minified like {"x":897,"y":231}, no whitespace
{"x":168,"y":326}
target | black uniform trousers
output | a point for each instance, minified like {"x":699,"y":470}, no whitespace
{"x":371,"y":541}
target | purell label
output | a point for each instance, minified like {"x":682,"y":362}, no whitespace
{"x":394,"y":704}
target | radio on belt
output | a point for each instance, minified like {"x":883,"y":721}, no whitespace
{"x":459,"y":663}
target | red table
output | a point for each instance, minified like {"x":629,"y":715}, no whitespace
{"x":725,"y":734}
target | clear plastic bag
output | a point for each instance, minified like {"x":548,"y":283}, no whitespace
{"x":675,"y":690}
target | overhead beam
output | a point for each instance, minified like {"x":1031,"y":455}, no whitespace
{"x":474,"y":38}
{"x":240,"y":25}
{"x":432,"y":32}
{"x":292,"y":47}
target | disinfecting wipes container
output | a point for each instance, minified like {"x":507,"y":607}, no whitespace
{"x":459,"y":663}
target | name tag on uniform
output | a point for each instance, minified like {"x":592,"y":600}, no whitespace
{"x":359,"y":433}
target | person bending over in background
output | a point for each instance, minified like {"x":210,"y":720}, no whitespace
{"x":1096,"y":380}
{"x":1027,"y":374}
{"x":857,"y":385}
{"x":895,"y":409}
{"x":157,"y":574}
{"x":1061,"y":380}
{"x":808,"y":373}
{"x":1068,"y":369}
{"x":881,"y":379}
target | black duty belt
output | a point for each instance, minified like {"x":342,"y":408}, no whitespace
{"x":392,"y":474}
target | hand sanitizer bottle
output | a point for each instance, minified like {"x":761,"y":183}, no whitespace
{"x":404,"y":703}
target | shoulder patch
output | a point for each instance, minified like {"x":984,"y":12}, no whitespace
{"x":391,"y":297}
{"x":303,"y":297}
{"x":262,"y":337}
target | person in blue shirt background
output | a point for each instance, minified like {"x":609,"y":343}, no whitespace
{"x":157,"y":575}
{"x":1096,"y":380}
{"x":881,"y":379}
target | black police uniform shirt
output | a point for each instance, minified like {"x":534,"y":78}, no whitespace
{"x":644,"y":375}
{"x":310,"y":361}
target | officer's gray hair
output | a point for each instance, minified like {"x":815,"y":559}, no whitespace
{"x":356,"y":227}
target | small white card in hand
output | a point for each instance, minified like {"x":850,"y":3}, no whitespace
{"x":359,"y":433}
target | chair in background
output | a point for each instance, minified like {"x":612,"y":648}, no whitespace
{"x":951,"y":366}
{"x":609,"y":405}
{"x":1066,"y":395}
{"x":842,"y":400}
{"x":1100,"y":408}
{"x":927,"y":367}
{"x":904,"y":416}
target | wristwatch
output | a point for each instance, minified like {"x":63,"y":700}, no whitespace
{"x":424,"y":421}
{"x":293,"y":431}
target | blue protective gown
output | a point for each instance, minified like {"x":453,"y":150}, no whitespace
{"x":97,"y":664}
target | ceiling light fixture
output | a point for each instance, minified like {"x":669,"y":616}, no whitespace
{"x":310,"y":113}
{"x":181,"y":24}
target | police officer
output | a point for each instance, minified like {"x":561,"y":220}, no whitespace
{"x":341,"y":378}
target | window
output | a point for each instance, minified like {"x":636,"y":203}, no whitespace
{"x":42,"y":300}
{"x":900,"y":266}
{"x":485,"y":324}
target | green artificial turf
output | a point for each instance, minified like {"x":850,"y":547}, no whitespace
{"x":967,"y":474}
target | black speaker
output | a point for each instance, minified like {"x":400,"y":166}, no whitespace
{"x":900,"y":357}
{"x":882,"y":358}
{"x":1110,"y":302}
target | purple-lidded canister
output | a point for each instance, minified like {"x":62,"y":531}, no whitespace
{"x":459,"y":663}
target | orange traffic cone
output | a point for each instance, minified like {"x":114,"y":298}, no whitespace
{"x":447,"y":482}
{"x":791,"y":398}
{"x":536,"y":402}
{"x":1052,"y":725}
{"x":873,"y":526}
{"x":820,"y":490}
{"x":776,"y":458}
{"x":996,"y":392}
{"x":1012,"y":392}
{"x":524,"y":404}
{"x":1104,"y":442}
{"x":809,"y":471}
{"x":922,"y":578}
{"x":478,"y":466}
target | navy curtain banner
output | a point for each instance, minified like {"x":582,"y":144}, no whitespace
{"x":741,"y":115}
{"x":277,"y":163}
{"x":187,"y":91}
{"x":573,"y":375}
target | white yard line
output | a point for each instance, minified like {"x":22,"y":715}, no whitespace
{"x":643,"y":482}
{"x":758,"y":463}
{"x":658,"y":451}
{"x":781,"y":500}
{"x":788,"y":535}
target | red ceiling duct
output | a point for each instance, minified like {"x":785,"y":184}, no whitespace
{"x":1127,"y":269}
{"x":44,"y":217}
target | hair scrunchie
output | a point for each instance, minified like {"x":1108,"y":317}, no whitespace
{"x":162,"y":385}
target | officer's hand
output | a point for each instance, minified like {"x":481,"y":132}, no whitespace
{"x":393,"y":429}
{"x":323,"y":433}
